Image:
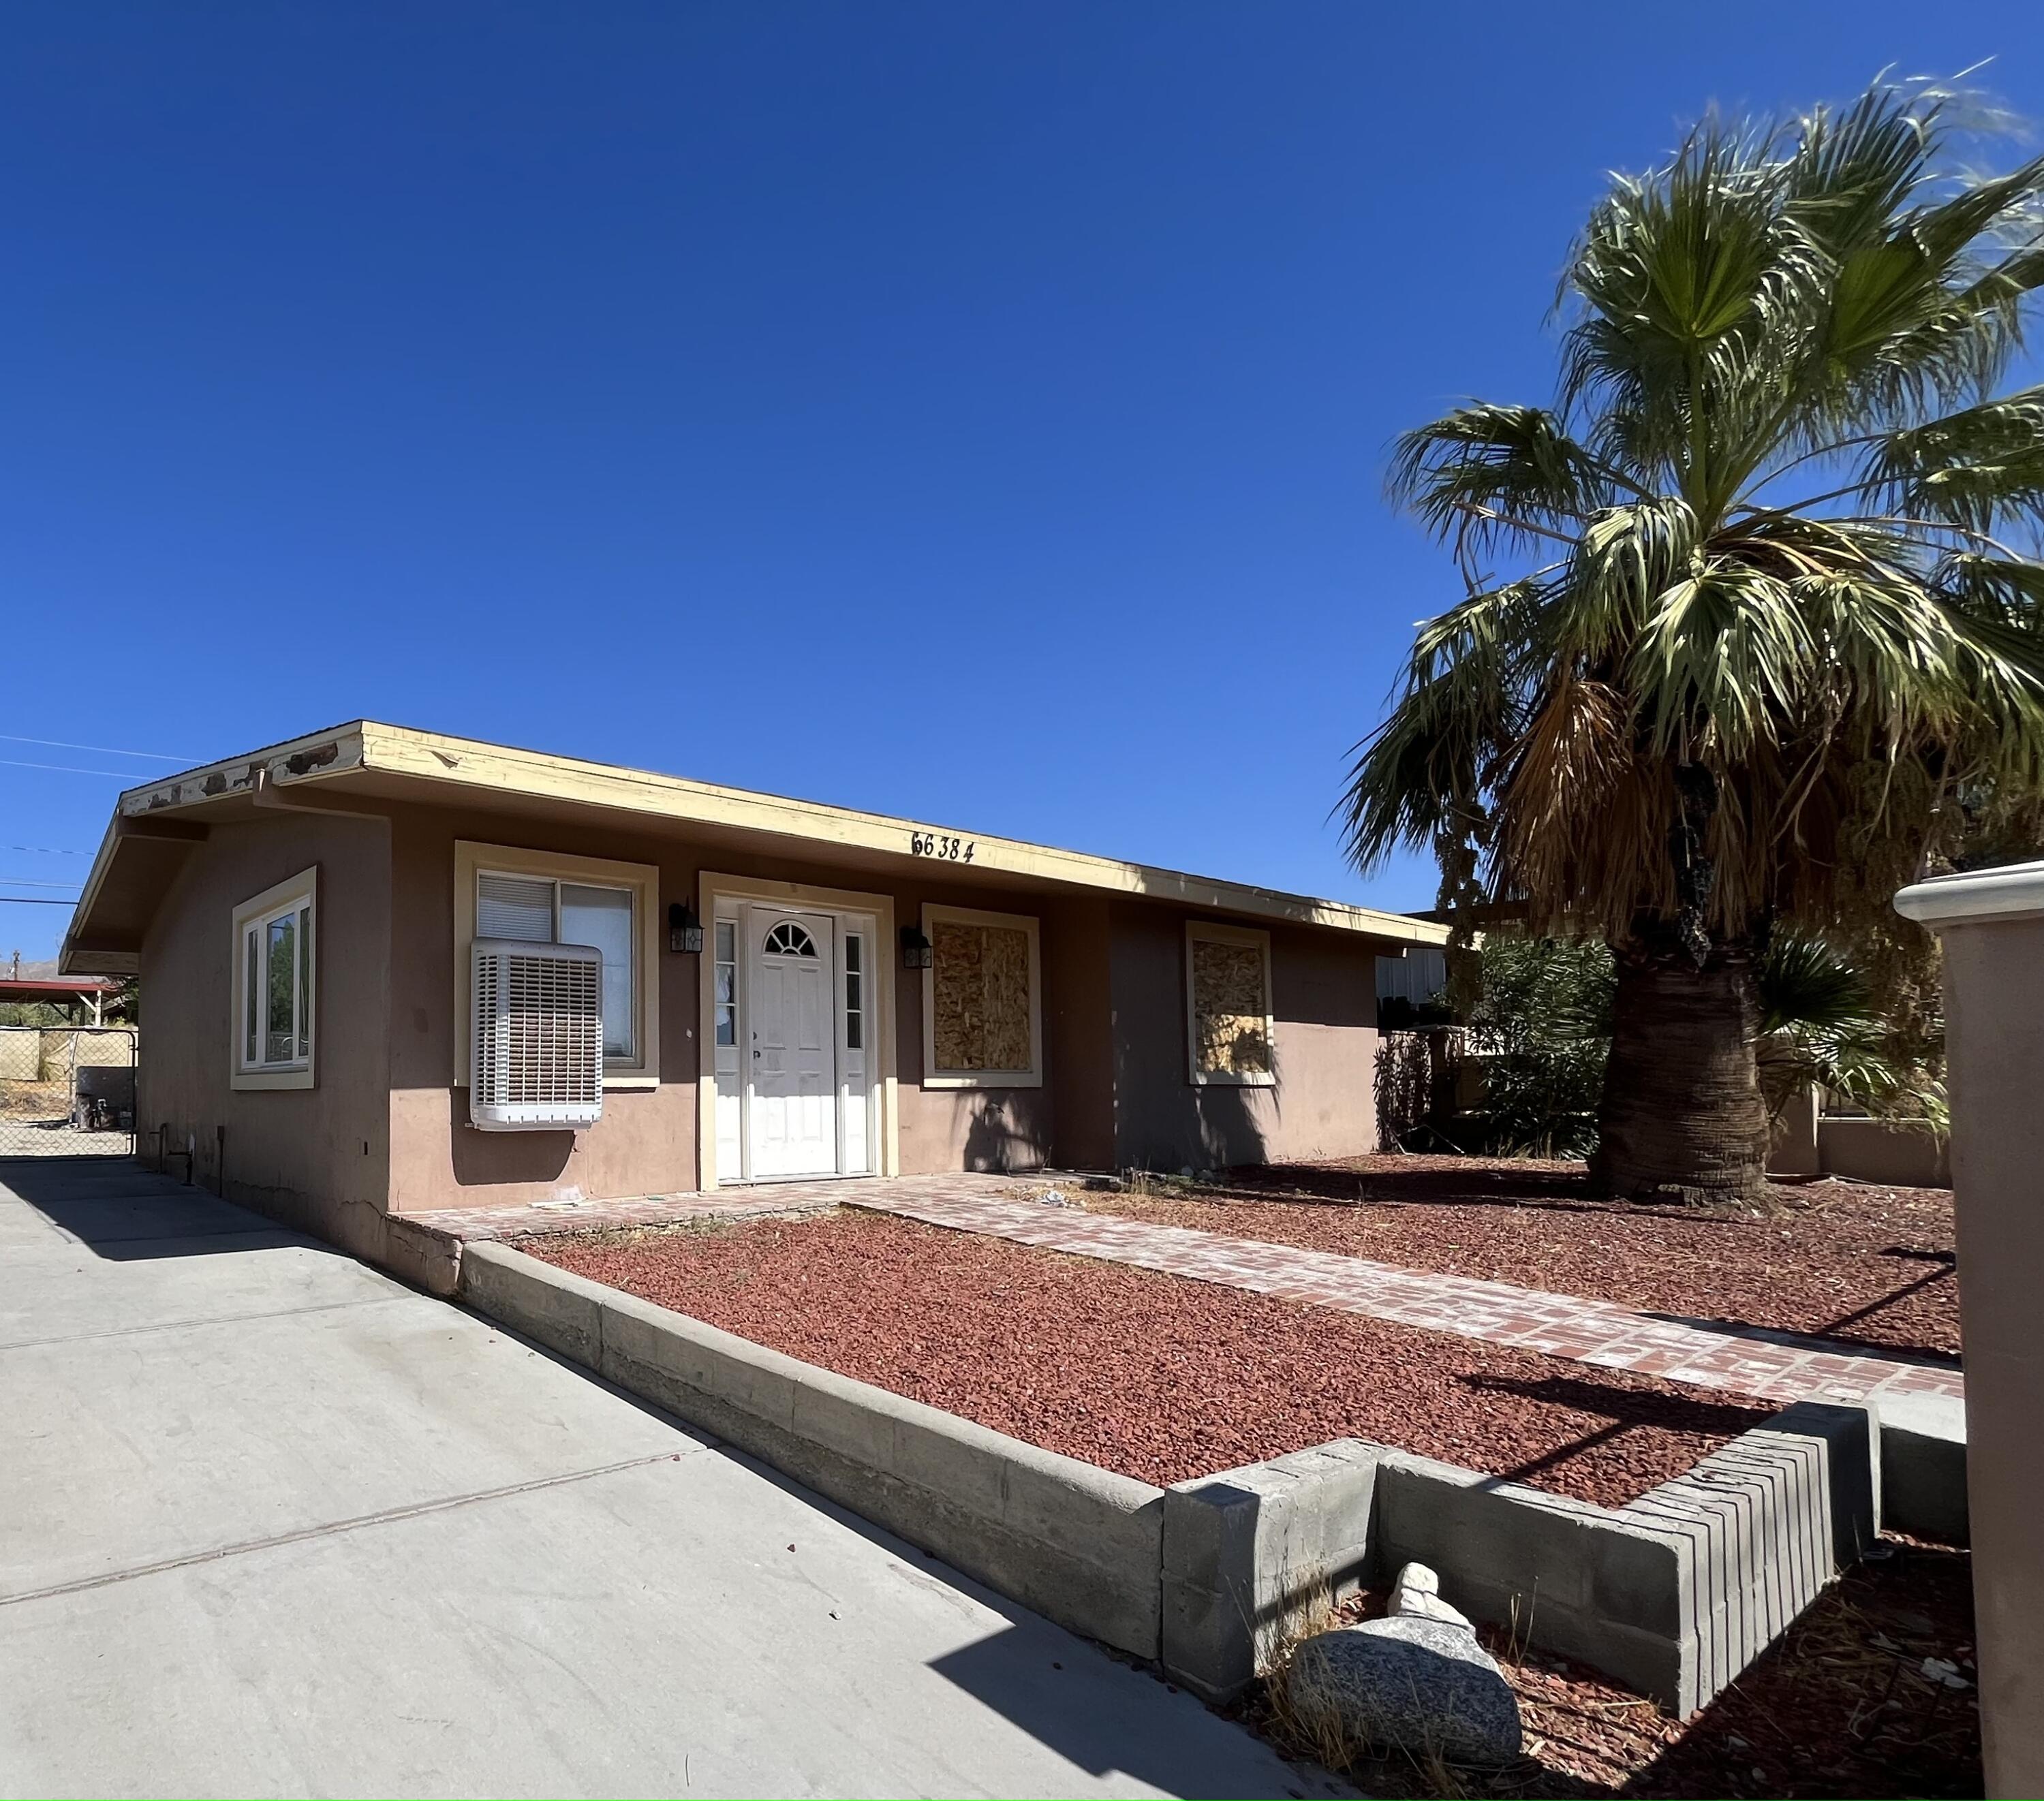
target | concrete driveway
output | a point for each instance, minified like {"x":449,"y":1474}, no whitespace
{"x":271,"y":1522}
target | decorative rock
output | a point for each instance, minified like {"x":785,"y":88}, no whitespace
{"x":1421,"y":1685}
{"x":1416,"y":1579}
{"x":1417,"y":1595}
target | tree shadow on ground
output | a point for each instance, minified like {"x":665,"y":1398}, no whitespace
{"x":1624,"y":1408}
{"x":1447,"y":1182}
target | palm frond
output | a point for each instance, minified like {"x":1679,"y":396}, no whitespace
{"x":1840,"y":675}
{"x":1486,"y":476}
{"x":1980,"y":468}
{"x":1427,"y":769}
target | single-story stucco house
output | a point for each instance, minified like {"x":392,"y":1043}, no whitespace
{"x":362,"y":997}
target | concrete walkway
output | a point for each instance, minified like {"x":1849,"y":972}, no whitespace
{"x":271,"y":1522}
{"x":1770,"y":1366}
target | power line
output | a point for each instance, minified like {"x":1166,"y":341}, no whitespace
{"x":45,"y":851}
{"x":67,"y":769}
{"x":103,"y":750}
{"x":30,"y":881}
{"x":33,"y":901}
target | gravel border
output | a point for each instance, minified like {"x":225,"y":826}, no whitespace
{"x":1149,"y":1375}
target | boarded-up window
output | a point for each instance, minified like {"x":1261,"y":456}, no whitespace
{"x":982,"y":1014}
{"x":1230,"y":1002}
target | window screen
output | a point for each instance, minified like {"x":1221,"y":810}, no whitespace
{"x":510,"y":906}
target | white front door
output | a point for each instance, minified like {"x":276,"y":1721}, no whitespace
{"x":792,"y":1026}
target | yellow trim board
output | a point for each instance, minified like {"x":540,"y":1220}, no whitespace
{"x":435,"y":759}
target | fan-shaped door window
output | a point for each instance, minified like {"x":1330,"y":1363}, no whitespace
{"x":789,"y":939}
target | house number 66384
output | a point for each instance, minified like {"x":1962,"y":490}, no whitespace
{"x":938,"y":844}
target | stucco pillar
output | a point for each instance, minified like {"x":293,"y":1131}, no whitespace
{"x":1992,"y":926}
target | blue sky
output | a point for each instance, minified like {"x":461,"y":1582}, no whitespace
{"x":973,"y":411}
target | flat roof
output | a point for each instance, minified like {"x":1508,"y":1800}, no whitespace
{"x":399,"y":763}
{"x":40,"y":988}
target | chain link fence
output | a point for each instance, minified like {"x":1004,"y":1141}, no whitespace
{"x":67,"y":1091}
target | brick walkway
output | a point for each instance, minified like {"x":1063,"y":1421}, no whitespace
{"x":1589,"y":1331}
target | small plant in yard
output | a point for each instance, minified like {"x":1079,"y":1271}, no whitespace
{"x":1821,"y":1027}
{"x":1543,"y":1026}
{"x":1541,"y":1023}
{"x":1306,"y":1733}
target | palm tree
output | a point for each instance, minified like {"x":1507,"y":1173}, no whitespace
{"x":1767,"y":633}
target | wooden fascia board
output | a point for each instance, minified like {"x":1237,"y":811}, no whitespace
{"x":438,"y":760}
{"x":333,"y":751}
{"x":455,"y":761}
{"x":120,"y":829}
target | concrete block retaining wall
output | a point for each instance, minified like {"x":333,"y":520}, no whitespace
{"x":1081,"y":1545}
{"x":1252,"y":1555}
{"x":1672,"y":1594}
{"x":1923,"y":1465}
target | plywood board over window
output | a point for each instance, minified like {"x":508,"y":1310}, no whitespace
{"x":1228,"y":1024}
{"x":982,"y":1013}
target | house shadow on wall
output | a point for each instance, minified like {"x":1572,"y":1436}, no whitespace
{"x":485,"y":1159}
{"x":1006,"y":1130}
{"x":1217,"y":1125}
{"x":1196,"y":1126}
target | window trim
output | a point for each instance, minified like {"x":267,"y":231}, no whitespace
{"x":295,"y":893}
{"x":472,"y":859}
{"x":933,"y":1077}
{"x":1213,"y":932}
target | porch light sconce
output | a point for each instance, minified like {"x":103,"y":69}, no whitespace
{"x":684,"y":931}
{"x":917,"y":952}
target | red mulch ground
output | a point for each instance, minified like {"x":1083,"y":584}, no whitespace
{"x":1871,"y":1265}
{"x":1839,"y":1705}
{"x":1151,"y":1374}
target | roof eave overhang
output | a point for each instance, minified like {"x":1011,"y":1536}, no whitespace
{"x":443,"y":769}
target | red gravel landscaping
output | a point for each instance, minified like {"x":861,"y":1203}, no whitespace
{"x":1157,"y":1376}
{"x":1870,"y":1265}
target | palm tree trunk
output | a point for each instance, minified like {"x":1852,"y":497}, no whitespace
{"x":1682,"y":1117}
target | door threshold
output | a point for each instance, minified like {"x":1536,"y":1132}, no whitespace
{"x":774,"y":1181}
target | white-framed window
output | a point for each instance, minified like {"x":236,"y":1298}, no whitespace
{"x":1229,"y":1029}
{"x":276,"y":943}
{"x":547,"y":897}
{"x":726,"y":1002}
{"x":983,"y":1000}
{"x":855,"y":990}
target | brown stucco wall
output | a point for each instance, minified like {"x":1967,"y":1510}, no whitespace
{"x":317,"y":1158}
{"x":1323,"y":1001}
{"x":646,"y":1142}
{"x":1115,"y":1092}
{"x":1079,"y":1022}
{"x":1994,"y":986}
